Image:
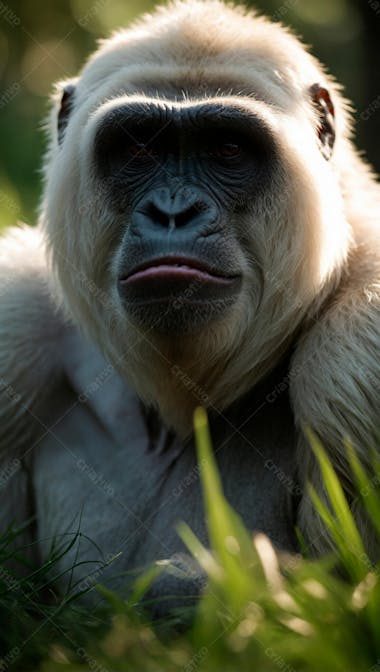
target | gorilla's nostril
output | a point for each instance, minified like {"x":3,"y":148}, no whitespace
{"x":170,"y":215}
{"x":189,"y":214}
{"x":157,"y":215}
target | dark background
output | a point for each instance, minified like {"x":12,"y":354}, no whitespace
{"x":42,"y":42}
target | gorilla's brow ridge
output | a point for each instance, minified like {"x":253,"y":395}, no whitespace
{"x":226,"y":114}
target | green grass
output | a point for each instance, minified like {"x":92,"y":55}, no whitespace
{"x":261,"y":612}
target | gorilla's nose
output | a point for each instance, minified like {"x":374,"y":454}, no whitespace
{"x":186,"y":207}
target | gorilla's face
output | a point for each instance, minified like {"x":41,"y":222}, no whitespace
{"x":192,"y":216}
{"x":179,"y":179}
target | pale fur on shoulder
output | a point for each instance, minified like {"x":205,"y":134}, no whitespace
{"x":29,"y":332}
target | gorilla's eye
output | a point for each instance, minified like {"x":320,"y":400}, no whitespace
{"x":141,"y":150}
{"x":226,"y":150}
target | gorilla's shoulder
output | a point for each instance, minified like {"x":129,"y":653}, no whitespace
{"x":31,"y":326}
{"x":28,"y":309}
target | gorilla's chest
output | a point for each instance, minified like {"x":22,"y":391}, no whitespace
{"x":105,"y":472}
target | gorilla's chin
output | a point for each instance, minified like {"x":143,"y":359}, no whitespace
{"x":176,"y":316}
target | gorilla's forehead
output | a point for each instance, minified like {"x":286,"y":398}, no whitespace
{"x":180,"y":82}
{"x":195,"y":87}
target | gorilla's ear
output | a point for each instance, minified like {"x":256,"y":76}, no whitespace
{"x":325,"y":108}
{"x":66,"y":105}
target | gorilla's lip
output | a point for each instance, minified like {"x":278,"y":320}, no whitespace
{"x":172,"y":267}
{"x":167,"y":280}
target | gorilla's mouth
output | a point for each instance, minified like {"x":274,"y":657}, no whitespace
{"x":180,"y":266}
{"x":167,"y":279}
{"x":177,"y":295}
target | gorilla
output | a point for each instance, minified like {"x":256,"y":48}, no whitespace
{"x":208,"y":235}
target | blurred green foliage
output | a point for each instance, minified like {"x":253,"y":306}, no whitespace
{"x":41,"y":43}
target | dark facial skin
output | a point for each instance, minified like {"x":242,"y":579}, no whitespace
{"x":180,"y":176}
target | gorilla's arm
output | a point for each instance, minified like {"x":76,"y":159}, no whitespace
{"x":30,"y":331}
{"x":335,"y":386}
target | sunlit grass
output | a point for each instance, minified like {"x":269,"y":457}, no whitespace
{"x":261,"y":611}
